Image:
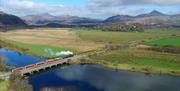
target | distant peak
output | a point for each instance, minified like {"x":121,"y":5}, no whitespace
{"x":46,"y":14}
{"x":155,"y":12}
{"x":121,"y":16}
{"x":1,"y":12}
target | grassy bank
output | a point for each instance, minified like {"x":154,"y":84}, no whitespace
{"x":174,"y":41}
{"x":4,"y":84}
{"x":34,"y":49}
{"x":141,"y":60}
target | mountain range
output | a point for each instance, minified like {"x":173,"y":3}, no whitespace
{"x":154,"y":18}
{"x":7,"y":20}
{"x":44,"y":19}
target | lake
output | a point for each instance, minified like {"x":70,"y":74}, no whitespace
{"x":17,"y":59}
{"x":92,"y":77}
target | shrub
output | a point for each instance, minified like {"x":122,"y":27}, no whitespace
{"x":18,"y":84}
{"x":116,"y":46}
{"x":168,"y":48}
{"x":120,"y":27}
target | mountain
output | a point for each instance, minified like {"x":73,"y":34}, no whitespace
{"x":153,"y":13}
{"x":157,"y":18}
{"x":125,"y":18}
{"x":38,"y":19}
{"x":154,"y":18}
{"x":151,"y":19}
{"x":10,"y":20}
{"x":44,"y":19}
{"x":2,"y":12}
{"x":74,"y":20}
{"x":119,"y":19}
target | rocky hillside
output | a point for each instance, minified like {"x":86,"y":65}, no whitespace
{"x":7,"y":20}
{"x":44,"y":19}
{"x":154,"y":18}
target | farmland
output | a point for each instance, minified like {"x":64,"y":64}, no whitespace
{"x":138,"y":58}
{"x":83,"y":40}
{"x":125,"y":37}
{"x":141,"y":60}
{"x":37,"y":40}
{"x":174,"y":41}
{"x":35,"y":49}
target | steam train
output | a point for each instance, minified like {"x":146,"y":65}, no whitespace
{"x":36,"y":64}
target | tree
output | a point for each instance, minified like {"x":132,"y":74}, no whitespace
{"x":18,"y":84}
{"x":2,"y":63}
{"x":120,"y":27}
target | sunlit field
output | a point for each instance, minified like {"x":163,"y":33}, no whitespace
{"x":174,"y":41}
{"x":62,"y":38}
{"x":83,"y":40}
{"x":125,"y":37}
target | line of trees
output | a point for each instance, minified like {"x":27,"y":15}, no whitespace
{"x":167,"y":48}
{"x":120,"y":27}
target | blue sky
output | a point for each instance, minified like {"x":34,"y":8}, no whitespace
{"x":88,"y":8}
{"x":63,"y":2}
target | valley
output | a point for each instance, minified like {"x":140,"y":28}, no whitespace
{"x":89,"y":45}
{"x":36,"y":41}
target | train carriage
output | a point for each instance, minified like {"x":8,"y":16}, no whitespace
{"x":17,"y":69}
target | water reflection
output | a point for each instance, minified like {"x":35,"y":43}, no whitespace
{"x":17,"y":59}
{"x":92,"y":77}
{"x":98,"y":78}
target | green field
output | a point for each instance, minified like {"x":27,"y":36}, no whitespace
{"x":55,"y":37}
{"x":83,"y":40}
{"x":133,"y":58}
{"x":124,"y":37}
{"x":38,"y":50}
{"x":139,"y":59}
{"x":175,"y":41}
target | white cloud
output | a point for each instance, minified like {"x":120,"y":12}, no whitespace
{"x":105,"y":8}
{"x":28,"y":7}
{"x":17,"y":4}
{"x":24,"y":4}
{"x":110,"y":3}
{"x":93,"y":8}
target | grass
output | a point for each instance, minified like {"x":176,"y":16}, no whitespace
{"x":82,"y":40}
{"x":175,"y":41}
{"x":141,"y":59}
{"x":124,"y":37}
{"x":38,"y":50}
{"x":56,"y":37}
{"x":4,"y":84}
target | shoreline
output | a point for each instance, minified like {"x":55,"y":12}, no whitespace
{"x":132,"y":68}
{"x":143,"y":70}
{"x":125,"y":67}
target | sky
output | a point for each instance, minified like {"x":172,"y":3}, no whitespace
{"x":99,"y":9}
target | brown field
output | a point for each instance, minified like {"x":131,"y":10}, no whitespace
{"x":49,"y":36}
